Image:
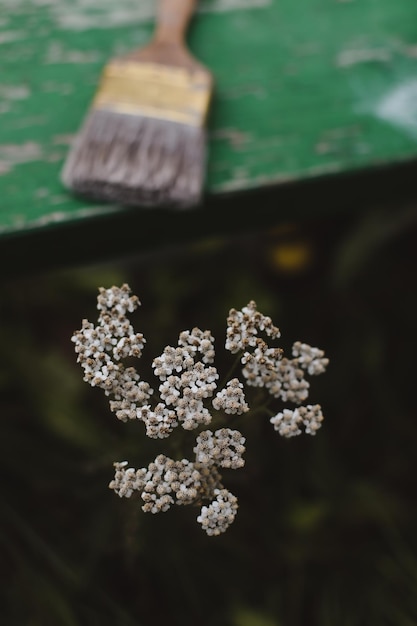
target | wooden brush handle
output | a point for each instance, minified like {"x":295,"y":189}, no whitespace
{"x":172,"y":20}
{"x":168,"y":43}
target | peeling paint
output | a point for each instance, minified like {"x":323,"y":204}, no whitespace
{"x":42,"y":192}
{"x":87,"y":14}
{"x":12,"y":35}
{"x":55,"y":157}
{"x":62,"y":88}
{"x":238,"y":184}
{"x":29,"y":121}
{"x":399,"y":107}
{"x":221,"y":6}
{"x":9,"y":94}
{"x":411,"y":51}
{"x":356,"y":54}
{"x":268,"y":127}
{"x":57,"y":54}
{"x":236,"y":138}
{"x":15,"y":154}
{"x":58,"y":217}
{"x":338,"y":141}
{"x":61,"y":199}
{"x":78,"y":15}
{"x":14,"y":92}
{"x":347,"y":58}
{"x":63,"y":140}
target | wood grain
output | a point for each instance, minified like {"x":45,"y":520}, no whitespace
{"x":172,"y":18}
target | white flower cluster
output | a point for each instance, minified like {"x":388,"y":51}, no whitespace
{"x":224,"y":448}
{"x":231,"y":399}
{"x":166,"y":482}
{"x":100,"y":348}
{"x":243,"y":327}
{"x":288,"y":422}
{"x":185,"y":381}
{"x":188,"y":395}
{"x":310,"y":359}
{"x":265,"y":366}
{"x":217,"y":517}
{"x":186,"y":390}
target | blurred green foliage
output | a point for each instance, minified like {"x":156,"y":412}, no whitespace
{"x":325,"y":532}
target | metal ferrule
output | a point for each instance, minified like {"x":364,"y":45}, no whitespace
{"x":157,"y":91}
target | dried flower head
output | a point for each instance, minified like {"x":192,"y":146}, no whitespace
{"x":219,"y":514}
{"x":188,"y":395}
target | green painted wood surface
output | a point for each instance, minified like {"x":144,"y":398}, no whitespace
{"x":303,"y":89}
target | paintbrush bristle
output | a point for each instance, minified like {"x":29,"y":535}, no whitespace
{"x":137,"y":160}
{"x":143,"y":141}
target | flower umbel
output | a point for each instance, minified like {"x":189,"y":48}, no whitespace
{"x":188,"y":397}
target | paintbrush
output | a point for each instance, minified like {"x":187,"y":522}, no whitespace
{"x":143,"y":140}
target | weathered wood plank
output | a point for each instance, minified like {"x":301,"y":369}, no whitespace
{"x":301,"y":91}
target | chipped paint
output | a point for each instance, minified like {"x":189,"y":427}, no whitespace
{"x":12,"y":35}
{"x":62,"y":88}
{"x":347,"y":58}
{"x":399,"y":107}
{"x":79,"y":15}
{"x":411,"y":51}
{"x":59,"y":199}
{"x":221,"y":6}
{"x":341,"y":141}
{"x":42,"y":192}
{"x":29,"y":121}
{"x":58,"y":217}
{"x":234,"y":136}
{"x":11,"y":93}
{"x":15,"y":154}
{"x":355,"y":54}
{"x":56,"y":53}
{"x":14,"y":92}
{"x":63,"y":140}
{"x":268,"y":126}
{"x":20,"y":221}
{"x":88,"y":14}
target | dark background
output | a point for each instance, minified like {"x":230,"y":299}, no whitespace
{"x":326,"y":530}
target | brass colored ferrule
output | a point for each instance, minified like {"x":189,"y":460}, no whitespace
{"x":152,"y":90}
